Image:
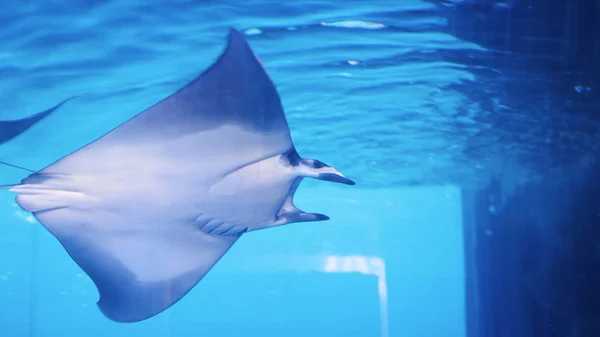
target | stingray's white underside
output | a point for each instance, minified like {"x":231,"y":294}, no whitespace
{"x":149,"y":208}
{"x":135,"y":213}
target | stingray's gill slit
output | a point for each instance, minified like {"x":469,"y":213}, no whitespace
{"x":152,"y":233}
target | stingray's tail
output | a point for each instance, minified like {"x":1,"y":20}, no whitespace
{"x":16,"y":166}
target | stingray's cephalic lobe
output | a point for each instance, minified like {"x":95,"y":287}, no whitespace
{"x":149,"y":208}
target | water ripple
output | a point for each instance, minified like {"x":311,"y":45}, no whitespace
{"x":383,"y":94}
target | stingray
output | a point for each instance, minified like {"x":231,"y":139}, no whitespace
{"x":150,"y":207}
{"x":12,"y":128}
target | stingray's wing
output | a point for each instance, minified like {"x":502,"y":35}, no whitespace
{"x":10,"y":129}
{"x":139,"y":270}
{"x":231,"y":116}
{"x":124,"y":206}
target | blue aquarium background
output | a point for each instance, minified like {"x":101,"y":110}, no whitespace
{"x":471,"y":128}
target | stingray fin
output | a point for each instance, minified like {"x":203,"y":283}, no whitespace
{"x":10,"y":129}
{"x":235,"y":90}
{"x":296,"y":215}
{"x":139,"y":271}
{"x":231,"y":115}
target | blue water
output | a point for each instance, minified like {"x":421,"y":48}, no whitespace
{"x":378,"y":89}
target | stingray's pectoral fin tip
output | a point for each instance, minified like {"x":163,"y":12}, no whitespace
{"x":63,"y":102}
{"x":119,"y":316}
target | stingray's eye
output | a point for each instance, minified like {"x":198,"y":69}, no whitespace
{"x":318,"y":164}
